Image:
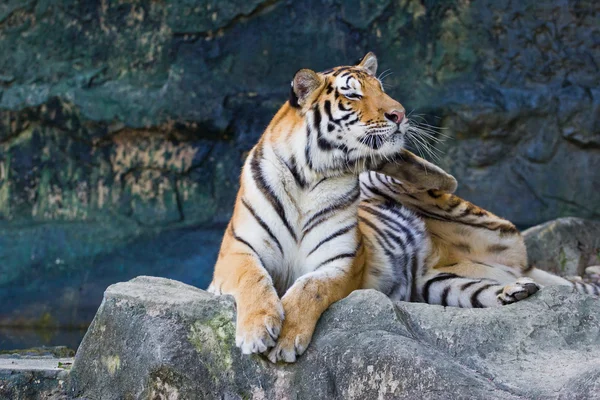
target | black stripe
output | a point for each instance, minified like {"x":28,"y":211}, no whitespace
{"x":322,"y":142}
{"x":385,"y":249}
{"x":239,"y":239}
{"x":433,"y":194}
{"x":321,"y":216}
{"x":317,"y":184}
{"x":468,"y":285}
{"x":396,"y":209}
{"x":327,"y":107}
{"x":475,"y":303}
{"x":581,"y":287}
{"x":307,"y":149}
{"x":293,"y":98}
{"x":425,"y":213}
{"x":379,"y":193}
{"x":338,"y":257}
{"x":388,"y":236}
{"x":437,"y":278}
{"x":385,"y":183}
{"x":378,"y":231}
{"x":293,"y":167}
{"x":352,"y":122}
{"x":386,"y":220}
{"x":445,"y":295}
{"x":341,"y":106}
{"x":413,"y":268}
{"x":266,"y":190}
{"x":262,"y":223}
{"x":340,"y":70}
{"x":332,"y":236}
{"x":391,"y":223}
{"x":317,"y":118}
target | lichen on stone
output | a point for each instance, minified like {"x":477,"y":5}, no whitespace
{"x":216,"y":337}
{"x":112,"y":363}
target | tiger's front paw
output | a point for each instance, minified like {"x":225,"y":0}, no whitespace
{"x":258,"y":327}
{"x":521,"y":289}
{"x":292,"y":343}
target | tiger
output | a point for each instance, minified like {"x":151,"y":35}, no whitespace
{"x":331,"y":201}
{"x":431,"y":246}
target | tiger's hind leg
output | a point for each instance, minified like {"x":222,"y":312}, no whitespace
{"x":396,"y":245}
{"x":471,"y":285}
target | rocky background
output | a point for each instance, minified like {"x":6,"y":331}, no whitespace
{"x":123,"y":124}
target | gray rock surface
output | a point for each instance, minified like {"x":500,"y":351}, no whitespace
{"x":157,"y":338}
{"x":565,"y":246}
{"x":34,"y":374}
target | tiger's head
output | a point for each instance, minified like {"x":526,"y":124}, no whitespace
{"x":350,"y":121}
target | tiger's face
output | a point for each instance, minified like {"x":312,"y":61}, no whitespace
{"x":350,"y":119}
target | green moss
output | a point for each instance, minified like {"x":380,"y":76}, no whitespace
{"x":217,"y":338}
{"x":562,"y":260}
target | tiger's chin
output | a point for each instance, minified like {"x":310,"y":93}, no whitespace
{"x":393,"y":147}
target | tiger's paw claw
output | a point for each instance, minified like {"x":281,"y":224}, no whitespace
{"x":521,"y":289}
{"x":259,"y":333}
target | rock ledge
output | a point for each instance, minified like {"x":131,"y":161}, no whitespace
{"x":157,"y":338}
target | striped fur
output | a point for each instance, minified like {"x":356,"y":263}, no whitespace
{"x":293,"y":245}
{"x":307,"y":228}
{"x":467,"y":256}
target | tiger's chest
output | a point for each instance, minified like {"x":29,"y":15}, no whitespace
{"x":323,"y":222}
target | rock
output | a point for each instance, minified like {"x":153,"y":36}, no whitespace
{"x":157,"y":338}
{"x":134,"y":124}
{"x":34,"y":374}
{"x":566,"y":246}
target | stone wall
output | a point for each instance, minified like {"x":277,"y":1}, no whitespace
{"x":123,"y":124}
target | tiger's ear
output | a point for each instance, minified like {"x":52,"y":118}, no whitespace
{"x":304,"y":83}
{"x":369,"y":62}
{"x":418,"y":175}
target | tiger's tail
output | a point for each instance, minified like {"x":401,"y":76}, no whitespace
{"x":591,"y":285}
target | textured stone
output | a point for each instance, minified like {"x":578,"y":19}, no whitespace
{"x":156,"y":338}
{"x":565,"y":246}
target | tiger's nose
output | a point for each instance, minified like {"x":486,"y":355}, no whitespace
{"x":396,"y":116}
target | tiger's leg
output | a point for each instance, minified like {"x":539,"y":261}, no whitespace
{"x":397,"y":245}
{"x":259,"y":309}
{"x":308,"y":298}
{"x":469,"y":284}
